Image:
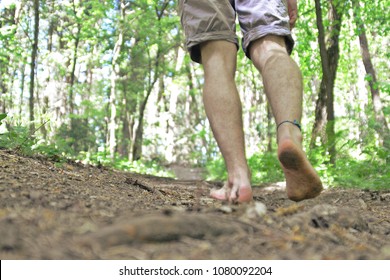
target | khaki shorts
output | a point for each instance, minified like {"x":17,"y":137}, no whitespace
{"x":206,"y":20}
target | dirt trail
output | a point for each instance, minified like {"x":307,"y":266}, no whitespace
{"x":71,"y":211}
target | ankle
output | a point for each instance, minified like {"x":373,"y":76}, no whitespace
{"x":240,"y":177}
{"x":289,"y":132}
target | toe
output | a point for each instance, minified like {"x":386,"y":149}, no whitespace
{"x":219,"y":194}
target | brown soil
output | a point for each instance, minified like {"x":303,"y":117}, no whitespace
{"x":71,"y":211}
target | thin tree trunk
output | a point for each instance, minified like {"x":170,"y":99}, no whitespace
{"x":23,"y":74}
{"x":320,"y":117}
{"x":382,"y":126}
{"x":51,"y":29}
{"x":138,"y":139}
{"x":73,"y":120}
{"x":45,"y":109}
{"x":194,"y":106}
{"x":335,"y":16}
{"x":329,"y":62}
{"x":131,"y":95}
{"x":34,"y":52}
{"x":137,"y":145}
{"x":113,"y":110}
{"x":124,"y":149}
{"x":113,"y":79}
{"x":73,"y":71}
{"x":3,"y":90}
{"x":7,"y":78}
{"x":320,"y":111}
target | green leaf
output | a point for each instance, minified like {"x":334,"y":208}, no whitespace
{"x":2,"y":116}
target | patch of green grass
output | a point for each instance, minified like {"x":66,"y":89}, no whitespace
{"x":370,"y":173}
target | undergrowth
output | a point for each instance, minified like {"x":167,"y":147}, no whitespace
{"x":20,"y":139}
{"x":366,"y":168}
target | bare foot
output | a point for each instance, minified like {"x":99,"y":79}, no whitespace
{"x":232,"y":193}
{"x":302,"y":180}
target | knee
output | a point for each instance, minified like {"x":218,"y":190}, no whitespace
{"x":271,"y":57}
{"x":267,"y":50}
{"x":219,"y":57}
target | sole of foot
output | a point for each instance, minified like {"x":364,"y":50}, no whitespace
{"x":302,"y":180}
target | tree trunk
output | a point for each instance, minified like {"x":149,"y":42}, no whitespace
{"x":320,"y":117}
{"x":113,"y":80}
{"x":329,"y":51}
{"x":138,"y":137}
{"x":382,"y":126}
{"x":124,"y":149}
{"x":9,"y":17}
{"x":131,"y":95}
{"x":34,"y":52}
{"x":73,"y":71}
{"x":194,"y":103}
{"x":320,"y":111}
{"x":23,"y":77}
{"x":51,"y":29}
{"x":153,"y":71}
{"x":3,"y":90}
{"x":45,"y":109}
{"x":73,"y":121}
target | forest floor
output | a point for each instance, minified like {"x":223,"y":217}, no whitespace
{"x":72,"y":211}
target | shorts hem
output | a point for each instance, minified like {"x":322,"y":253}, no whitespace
{"x":263,"y":31}
{"x":193,"y":43}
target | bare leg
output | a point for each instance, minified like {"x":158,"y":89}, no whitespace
{"x":224,"y":111}
{"x":283,"y":85}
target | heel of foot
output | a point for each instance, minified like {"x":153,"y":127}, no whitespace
{"x":289,"y":159}
{"x":302,"y":180}
{"x":290,"y":156}
{"x":245,"y":195}
{"x":314,"y":191}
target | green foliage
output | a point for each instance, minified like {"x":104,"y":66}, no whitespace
{"x":320,"y":159}
{"x":216,"y":170}
{"x":367,"y":170}
{"x":19,"y":138}
{"x":2,"y":117}
{"x":372,"y":173}
{"x":77,"y":138}
{"x":16,"y":137}
{"x":265,"y":168}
